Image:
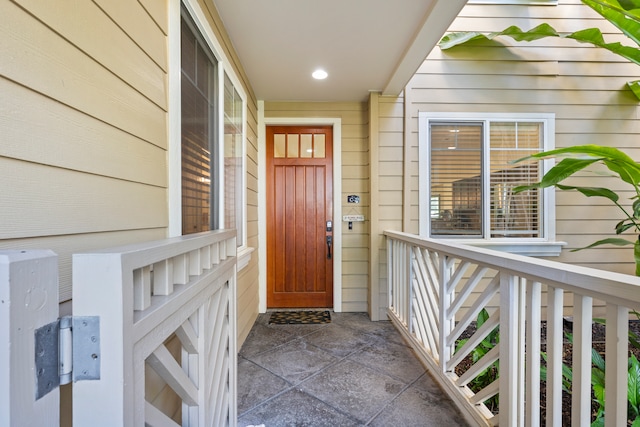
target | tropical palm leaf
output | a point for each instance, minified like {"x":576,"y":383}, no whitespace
{"x":624,"y":14}
{"x":592,"y":191}
{"x":609,"y":241}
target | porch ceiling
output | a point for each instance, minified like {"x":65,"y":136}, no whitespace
{"x":364,"y":45}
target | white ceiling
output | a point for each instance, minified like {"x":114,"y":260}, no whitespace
{"x":364,"y":45}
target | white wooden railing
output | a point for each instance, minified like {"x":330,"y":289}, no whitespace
{"x":437,"y":289}
{"x":149,"y":296}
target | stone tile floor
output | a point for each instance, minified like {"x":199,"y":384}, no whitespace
{"x":350,"y":372}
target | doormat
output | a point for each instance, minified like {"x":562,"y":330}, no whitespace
{"x":300,"y":317}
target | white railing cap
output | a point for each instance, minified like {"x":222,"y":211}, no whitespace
{"x":608,"y":286}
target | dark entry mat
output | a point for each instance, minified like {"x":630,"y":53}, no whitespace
{"x":299,"y":317}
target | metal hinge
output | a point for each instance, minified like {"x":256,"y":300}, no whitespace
{"x":67,"y":350}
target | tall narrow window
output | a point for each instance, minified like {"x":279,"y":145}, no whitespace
{"x":233,"y":160}
{"x":456,"y":178}
{"x":198,"y":132}
{"x":514,"y":214}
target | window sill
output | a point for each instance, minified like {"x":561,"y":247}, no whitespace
{"x":534,"y":248}
{"x":244,"y":256}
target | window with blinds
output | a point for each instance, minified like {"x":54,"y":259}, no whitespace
{"x":198,"y":132}
{"x":472,"y":177}
{"x":514,"y":214}
{"x":456,"y":178}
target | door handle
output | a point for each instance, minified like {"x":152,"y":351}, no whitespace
{"x":329,"y":242}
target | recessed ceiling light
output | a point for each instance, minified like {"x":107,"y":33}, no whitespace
{"x":319,"y":74}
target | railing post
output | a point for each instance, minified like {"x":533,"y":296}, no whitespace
{"x":409,"y":281}
{"x":532,"y":378}
{"x":233,"y":344}
{"x":511,"y":389}
{"x":581,"y":387}
{"x":390,"y":281}
{"x":28,"y":301}
{"x":617,"y":348}
{"x":555,"y":302}
{"x":446,"y":325}
{"x":401,"y":282}
{"x":101,"y":288}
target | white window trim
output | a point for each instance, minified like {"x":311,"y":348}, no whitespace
{"x":544,"y":246}
{"x":174,"y":119}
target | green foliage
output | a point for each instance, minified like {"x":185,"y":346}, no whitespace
{"x":567,"y":375}
{"x":490,"y":374}
{"x":624,"y":14}
{"x":598,"y":381}
{"x":619,"y":165}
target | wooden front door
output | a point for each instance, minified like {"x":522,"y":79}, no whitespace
{"x":299,"y":207}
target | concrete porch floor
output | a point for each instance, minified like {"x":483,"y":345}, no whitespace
{"x":350,"y":372}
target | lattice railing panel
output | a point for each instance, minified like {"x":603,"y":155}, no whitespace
{"x":145,"y":294}
{"x":437,"y":291}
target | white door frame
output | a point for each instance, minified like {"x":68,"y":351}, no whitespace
{"x":336,"y":123}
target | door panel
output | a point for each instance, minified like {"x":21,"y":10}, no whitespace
{"x":299,"y":203}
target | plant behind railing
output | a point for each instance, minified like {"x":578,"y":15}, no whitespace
{"x":598,"y":382}
{"x":461,"y":281}
{"x":491,"y":373}
{"x":625,"y":15}
{"x":620,"y":166}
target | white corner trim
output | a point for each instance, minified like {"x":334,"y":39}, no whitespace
{"x":262,"y":199}
{"x":174,"y":157}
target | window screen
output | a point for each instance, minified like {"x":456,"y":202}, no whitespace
{"x":233,"y":158}
{"x":198,"y":132}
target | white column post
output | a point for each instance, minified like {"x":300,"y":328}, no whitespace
{"x":509,"y":356}
{"x":555,"y":302}
{"x":101,"y":289}
{"x":581,"y":387}
{"x":532,"y":379}
{"x":409,"y":281}
{"x":28,"y":301}
{"x":446,"y":325}
{"x":617,"y":348}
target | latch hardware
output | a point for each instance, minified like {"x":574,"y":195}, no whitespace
{"x":67,"y":350}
